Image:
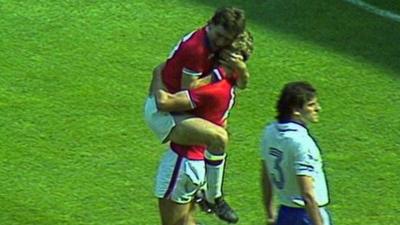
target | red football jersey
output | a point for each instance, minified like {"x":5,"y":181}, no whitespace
{"x":211,"y":102}
{"x":191,"y":55}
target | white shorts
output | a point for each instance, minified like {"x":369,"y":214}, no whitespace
{"x":179,"y":178}
{"x":161,"y":123}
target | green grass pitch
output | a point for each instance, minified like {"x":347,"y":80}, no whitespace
{"x":74,"y":148}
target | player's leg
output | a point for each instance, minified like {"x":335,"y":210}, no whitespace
{"x":215,"y":176}
{"x":193,"y":131}
{"x":197,"y":131}
{"x":191,"y":220}
{"x":185,"y":129}
{"x":173,"y":213}
{"x":178,"y":179}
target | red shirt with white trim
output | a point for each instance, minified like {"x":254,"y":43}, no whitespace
{"x":191,"y":55}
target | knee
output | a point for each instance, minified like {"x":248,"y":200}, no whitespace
{"x":220,"y":140}
{"x":223,"y":137}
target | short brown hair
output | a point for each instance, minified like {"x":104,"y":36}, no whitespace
{"x":231,"y":18}
{"x":294,"y":95}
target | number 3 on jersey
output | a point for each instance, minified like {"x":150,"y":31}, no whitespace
{"x":277,"y":175}
{"x":185,"y":38}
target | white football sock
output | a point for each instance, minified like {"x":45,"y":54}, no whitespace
{"x":215,"y":166}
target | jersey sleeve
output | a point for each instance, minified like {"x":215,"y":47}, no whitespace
{"x":303,"y":160}
{"x":220,"y":73}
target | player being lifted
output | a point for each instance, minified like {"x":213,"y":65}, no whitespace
{"x":192,"y":59}
{"x":211,"y":102}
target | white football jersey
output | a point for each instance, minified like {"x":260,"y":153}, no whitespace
{"x":288,"y":150}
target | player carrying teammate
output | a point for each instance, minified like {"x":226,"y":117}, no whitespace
{"x":183,"y":170}
{"x":189,"y":63}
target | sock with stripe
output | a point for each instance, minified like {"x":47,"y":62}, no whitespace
{"x":215,"y":166}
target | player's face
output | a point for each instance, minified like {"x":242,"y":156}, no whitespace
{"x":219,"y":37}
{"x":310,"y":111}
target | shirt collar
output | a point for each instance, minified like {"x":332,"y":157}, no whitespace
{"x":290,"y":125}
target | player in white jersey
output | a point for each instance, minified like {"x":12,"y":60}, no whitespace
{"x":291,"y":161}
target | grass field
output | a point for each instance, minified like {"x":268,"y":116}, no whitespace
{"x":73,"y":79}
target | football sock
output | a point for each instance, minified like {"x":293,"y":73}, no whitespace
{"x":215,"y":166}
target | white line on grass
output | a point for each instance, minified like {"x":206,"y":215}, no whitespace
{"x":375,"y":10}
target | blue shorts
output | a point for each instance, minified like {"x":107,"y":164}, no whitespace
{"x":299,"y":216}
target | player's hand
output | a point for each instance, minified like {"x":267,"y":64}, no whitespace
{"x":231,"y":61}
{"x":161,"y":96}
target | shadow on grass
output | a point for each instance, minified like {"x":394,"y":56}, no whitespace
{"x":332,"y":24}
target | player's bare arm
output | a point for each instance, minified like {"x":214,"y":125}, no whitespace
{"x":156,"y":81}
{"x":201,"y":82}
{"x":243,"y":74}
{"x":188,"y":81}
{"x":311,"y":205}
{"x":168,"y":102}
{"x":267,"y":194}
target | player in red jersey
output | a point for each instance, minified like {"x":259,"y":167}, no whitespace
{"x":193,"y":58}
{"x":190,"y":61}
{"x":211,"y":102}
{"x":195,"y":55}
{"x":182,"y":171}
